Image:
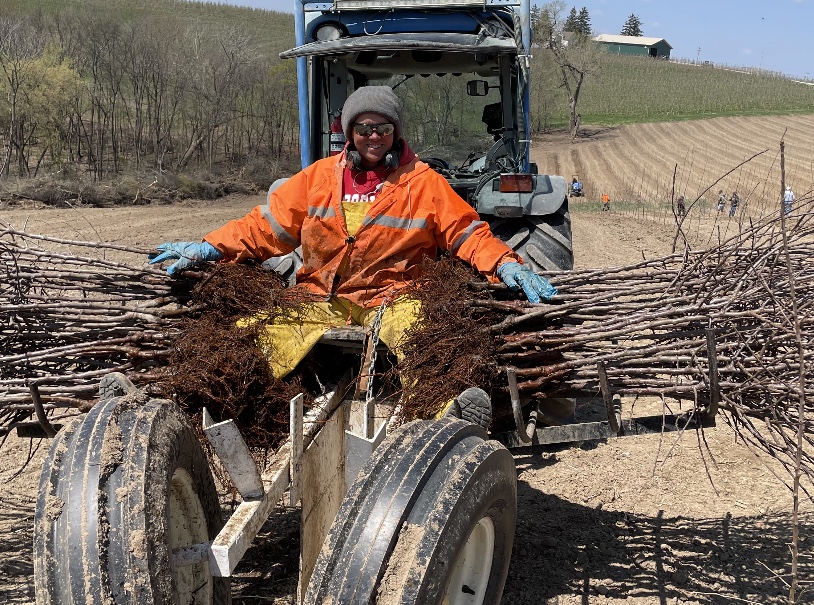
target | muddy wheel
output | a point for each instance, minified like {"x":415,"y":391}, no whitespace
{"x":121,"y":495}
{"x":430,"y":520}
{"x":544,"y":242}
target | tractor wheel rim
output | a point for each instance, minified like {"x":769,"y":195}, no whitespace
{"x":470,"y":577}
{"x":187,"y":527}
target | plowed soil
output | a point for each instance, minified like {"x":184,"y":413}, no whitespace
{"x":649,"y":519}
{"x":636,"y":162}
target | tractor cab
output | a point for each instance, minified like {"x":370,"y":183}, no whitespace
{"x":461,"y":70}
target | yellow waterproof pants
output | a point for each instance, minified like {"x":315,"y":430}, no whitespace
{"x":289,"y":338}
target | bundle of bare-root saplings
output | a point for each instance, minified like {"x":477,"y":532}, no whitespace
{"x":70,"y":315}
{"x":728,"y":326}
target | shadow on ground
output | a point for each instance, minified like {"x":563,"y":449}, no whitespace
{"x":268,"y":572}
{"x":565,"y":552}
{"x":16,"y":549}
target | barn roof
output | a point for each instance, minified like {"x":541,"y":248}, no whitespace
{"x":632,"y":40}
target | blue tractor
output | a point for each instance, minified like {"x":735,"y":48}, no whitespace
{"x":127,"y":508}
{"x":461,"y":69}
{"x":575,"y":189}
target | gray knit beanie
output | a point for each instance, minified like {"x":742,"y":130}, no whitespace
{"x":375,"y":99}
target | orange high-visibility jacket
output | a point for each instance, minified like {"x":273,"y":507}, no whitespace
{"x":415,"y":213}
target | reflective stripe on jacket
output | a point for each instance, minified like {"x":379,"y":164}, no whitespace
{"x":415,"y":213}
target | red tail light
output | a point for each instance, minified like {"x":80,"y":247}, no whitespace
{"x":516,"y":183}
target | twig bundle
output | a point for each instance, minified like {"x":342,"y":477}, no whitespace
{"x":656,"y":327}
{"x":705,"y":326}
{"x":68,"y":316}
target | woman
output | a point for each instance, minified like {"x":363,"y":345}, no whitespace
{"x":365,"y":219}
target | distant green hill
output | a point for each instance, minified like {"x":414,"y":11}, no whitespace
{"x":640,"y":89}
{"x":628,"y":89}
{"x":273,"y":30}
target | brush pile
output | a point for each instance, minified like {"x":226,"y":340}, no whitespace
{"x":69,"y":315}
{"x":726,"y":328}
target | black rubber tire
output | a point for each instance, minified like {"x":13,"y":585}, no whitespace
{"x":48,"y":585}
{"x":107,"y":509}
{"x":443,"y":472}
{"x":544,"y":242}
{"x":481,"y":484}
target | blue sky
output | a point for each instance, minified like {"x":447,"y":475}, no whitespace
{"x":772,"y":34}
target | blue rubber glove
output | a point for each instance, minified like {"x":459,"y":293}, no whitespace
{"x":535,"y":287}
{"x":185,"y":255}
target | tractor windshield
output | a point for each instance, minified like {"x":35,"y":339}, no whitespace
{"x":458,"y":90}
{"x":442,"y":121}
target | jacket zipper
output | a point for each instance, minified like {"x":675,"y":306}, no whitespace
{"x":343,"y":264}
{"x":349,"y":242}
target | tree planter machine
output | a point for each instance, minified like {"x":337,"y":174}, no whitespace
{"x":127,"y":509}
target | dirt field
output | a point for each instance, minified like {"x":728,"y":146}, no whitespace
{"x":636,"y":162}
{"x":652,"y":519}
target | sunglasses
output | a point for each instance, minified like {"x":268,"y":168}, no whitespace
{"x":366,"y":130}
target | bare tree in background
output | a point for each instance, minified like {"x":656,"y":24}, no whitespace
{"x":20,"y":46}
{"x":96,"y":94}
{"x":224,"y":64}
{"x":100,"y":53}
{"x":48,"y":109}
{"x":158,"y":73}
{"x":577,"y":56}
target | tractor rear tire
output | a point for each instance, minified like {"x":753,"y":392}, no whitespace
{"x":544,"y":242}
{"x":430,"y":519}
{"x":118,"y":494}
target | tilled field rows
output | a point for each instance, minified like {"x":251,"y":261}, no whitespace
{"x":636,"y":162}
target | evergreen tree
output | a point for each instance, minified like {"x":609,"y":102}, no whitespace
{"x":542,"y":25}
{"x":633,"y":26}
{"x":584,"y":22}
{"x":572,"y":22}
{"x":536,"y":13}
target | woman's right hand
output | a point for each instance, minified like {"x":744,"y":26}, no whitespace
{"x":185,"y":254}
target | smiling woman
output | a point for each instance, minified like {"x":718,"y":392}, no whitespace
{"x":371,"y":119}
{"x":365,"y":231}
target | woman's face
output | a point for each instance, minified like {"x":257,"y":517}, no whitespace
{"x":374,"y":147}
